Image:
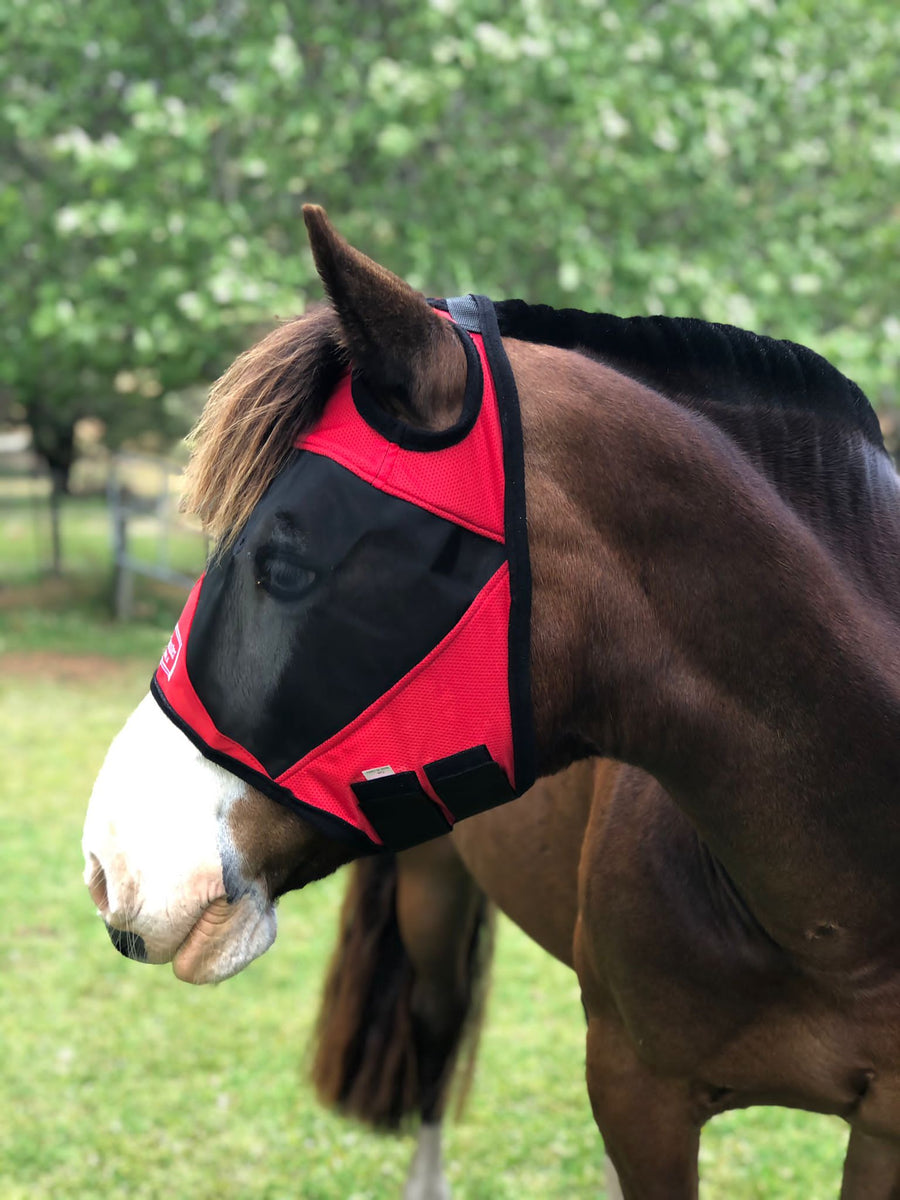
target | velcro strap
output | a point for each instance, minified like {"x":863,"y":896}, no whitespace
{"x":469,"y":782}
{"x":400,"y":810}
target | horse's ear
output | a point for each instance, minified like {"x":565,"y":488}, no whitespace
{"x":410,"y":357}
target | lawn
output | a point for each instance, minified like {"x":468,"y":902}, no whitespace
{"x":117,"y":1080}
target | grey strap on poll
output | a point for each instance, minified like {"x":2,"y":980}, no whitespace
{"x":464,"y":311}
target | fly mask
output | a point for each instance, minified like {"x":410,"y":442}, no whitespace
{"x":383,"y":690}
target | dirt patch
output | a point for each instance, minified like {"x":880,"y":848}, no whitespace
{"x":66,"y":668}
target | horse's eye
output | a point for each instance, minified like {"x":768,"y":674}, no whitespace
{"x":282,"y":575}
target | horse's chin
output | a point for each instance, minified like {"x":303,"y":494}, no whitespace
{"x":226,"y":938}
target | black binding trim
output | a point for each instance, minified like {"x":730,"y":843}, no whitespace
{"x":408,"y":436}
{"x":325,"y":822}
{"x":469,"y":782}
{"x":516,"y":548}
{"x":400,"y":810}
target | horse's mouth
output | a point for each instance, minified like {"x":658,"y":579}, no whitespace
{"x":227,"y":936}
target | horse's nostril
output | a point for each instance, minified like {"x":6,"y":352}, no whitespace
{"x":129,"y":944}
{"x":96,"y":881}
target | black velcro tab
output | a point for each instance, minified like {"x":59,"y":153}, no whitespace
{"x":469,"y":782}
{"x":401,"y":811}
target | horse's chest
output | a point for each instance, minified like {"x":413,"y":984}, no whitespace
{"x":703,"y":995}
{"x":815,"y":1053}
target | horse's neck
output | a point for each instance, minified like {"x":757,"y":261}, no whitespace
{"x":731,"y":652}
{"x":833,"y":477}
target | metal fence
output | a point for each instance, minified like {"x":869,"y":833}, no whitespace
{"x":150,"y":536}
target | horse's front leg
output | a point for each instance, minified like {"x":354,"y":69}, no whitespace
{"x":650,"y":1130}
{"x":871,"y":1168}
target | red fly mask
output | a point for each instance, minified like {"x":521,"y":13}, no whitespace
{"x":362,"y":652}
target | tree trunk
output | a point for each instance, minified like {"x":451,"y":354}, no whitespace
{"x":59,"y":486}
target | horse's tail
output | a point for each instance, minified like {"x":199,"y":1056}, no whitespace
{"x":364,"y":1060}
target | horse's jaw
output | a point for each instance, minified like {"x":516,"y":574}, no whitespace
{"x":227,"y":937}
{"x":160,"y":859}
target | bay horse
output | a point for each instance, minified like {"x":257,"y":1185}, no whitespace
{"x":705,"y":588}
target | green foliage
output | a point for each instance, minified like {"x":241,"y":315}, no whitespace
{"x":732,"y":160}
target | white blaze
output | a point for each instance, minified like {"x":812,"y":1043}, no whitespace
{"x":157,"y":826}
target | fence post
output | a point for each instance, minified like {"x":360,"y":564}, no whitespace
{"x":125,"y":505}
{"x":123,"y":591}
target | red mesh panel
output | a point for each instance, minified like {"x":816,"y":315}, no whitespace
{"x":455,"y":698}
{"x":463,"y":483}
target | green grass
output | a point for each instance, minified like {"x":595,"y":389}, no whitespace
{"x":25,"y":543}
{"x":116,"y":1080}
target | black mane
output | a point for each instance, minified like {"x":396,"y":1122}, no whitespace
{"x":689,"y":360}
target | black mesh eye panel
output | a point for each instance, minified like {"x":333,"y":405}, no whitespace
{"x":281,"y":677}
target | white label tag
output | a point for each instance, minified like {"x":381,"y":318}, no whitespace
{"x":378,"y":772}
{"x":172,"y":654}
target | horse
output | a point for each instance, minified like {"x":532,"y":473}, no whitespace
{"x":686,"y":561}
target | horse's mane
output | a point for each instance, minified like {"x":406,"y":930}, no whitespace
{"x":277,"y":389}
{"x":699,"y":362}
{"x":254,"y":414}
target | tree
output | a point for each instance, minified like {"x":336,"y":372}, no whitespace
{"x":732,"y":160}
